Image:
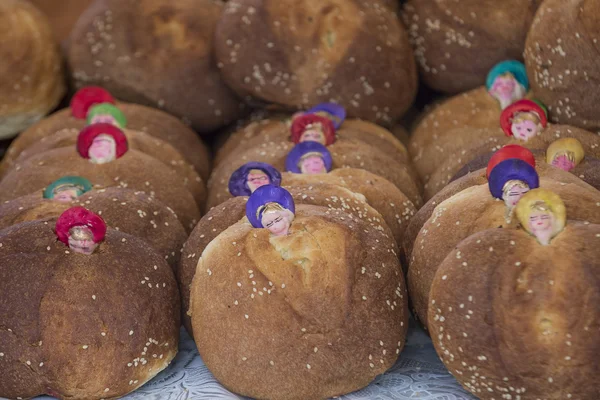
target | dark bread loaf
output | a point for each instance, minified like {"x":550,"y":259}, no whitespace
{"x":31,"y":73}
{"x":317,"y":313}
{"x":297,"y":54}
{"x":157,"y":53}
{"x":83,"y":326}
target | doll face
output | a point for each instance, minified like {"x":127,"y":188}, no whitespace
{"x":102,"y":150}
{"x":313,"y":134}
{"x":313,"y":165}
{"x":104,"y":118}
{"x":524,"y":129}
{"x":564,"y":162}
{"x":512,"y":194}
{"x":276,"y":222}
{"x":504,"y":85}
{"x":81,"y":240}
{"x":540,"y":222}
{"x":65,"y":194}
{"x":257,"y":178}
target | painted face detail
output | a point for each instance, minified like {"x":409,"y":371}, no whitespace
{"x":564,"y":162}
{"x":257,"y":178}
{"x":313,"y":134}
{"x":525,"y":129}
{"x":103,"y":149}
{"x":81,"y":240}
{"x":540,"y":222}
{"x":312,"y":165}
{"x":513,"y":193}
{"x":507,"y":90}
{"x":66,"y":194}
{"x":276,"y":222}
{"x":104,"y":118}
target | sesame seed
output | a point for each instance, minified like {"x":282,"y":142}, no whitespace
{"x":308,"y":366}
{"x":130,"y":333}
{"x":85,"y":346}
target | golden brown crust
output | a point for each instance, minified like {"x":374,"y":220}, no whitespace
{"x":31,"y":74}
{"x":124,"y":210}
{"x":471,"y":211}
{"x":457,"y":43}
{"x":525,"y":316}
{"x":561,"y":55}
{"x":58,"y":304}
{"x":155,"y":52}
{"x":340,"y":318}
{"x":301,"y":53}
{"x":140,"y":141}
{"x":154,"y":122}
{"x":62,"y":15}
{"x":134,"y":170}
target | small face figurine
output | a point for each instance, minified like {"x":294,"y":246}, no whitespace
{"x":103,"y":149}
{"x":81,"y":240}
{"x":276,"y":219}
{"x":313,"y":133}
{"x":541,"y":222}
{"x":312,"y":163}
{"x":506,"y":89}
{"x":513,"y":191}
{"x":526,"y":126}
{"x":257,"y":178}
{"x":66,"y":193}
{"x":564,"y":161}
{"x":104,"y":118}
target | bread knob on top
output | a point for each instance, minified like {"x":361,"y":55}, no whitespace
{"x":515,"y":311}
{"x":92,"y":315}
{"x":285,"y":301}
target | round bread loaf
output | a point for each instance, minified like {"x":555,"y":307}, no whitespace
{"x":331,"y":196}
{"x":134,"y":170}
{"x":154,"y":122}
{"x":561,"y":55}
{"x":124,"y":210}
{"x":294,"y":316}
{"x":456,"y":43}
{"x":521,"y":315}
{"x":470,"y":211}
{"x":157,"y":53}
{"x":62,"y":15}
{"x":297,"y":54}
{"x":31,"y":74}
{"x":83,"y":326}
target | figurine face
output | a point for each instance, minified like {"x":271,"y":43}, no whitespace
{"x":65,"y":194}
{"x":257,"y":178}
{"x":507,"y":90}
{"x":564,"y":162}
{"x":513,"y":193}
{"x":277,"y":222}
{"x":103,"y":149}
{"x":524,"y":129}
{"x":312,"y":165}
{"x":81,"y":240}
{"x":540,"y":222}
{"x":313,"y":134}
{"x":104,"y":118}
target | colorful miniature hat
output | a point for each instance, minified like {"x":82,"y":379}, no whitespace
{"x":82,"y":185}
{"x":303,"y":149}
{"x":521,"y":106}
{"x":302,"y":122}
{"x":565,"y":145}
{"x":510,"y":151}
{"x":263,"y":196}
{"x":87,"y":135}
{"x":509,"y":170}
{"x":110,"y":109}
{"x":516,"y":68}
{"x":545,"y":199}
{"x":335,"y":112}
{"x":238,"y":185}
{"x":86,"y":97}
{"x":80,"y":216}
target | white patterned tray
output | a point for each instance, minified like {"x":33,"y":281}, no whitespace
{"x":418,"y":374}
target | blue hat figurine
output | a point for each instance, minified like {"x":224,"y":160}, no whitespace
{"x":271,"y":207}
{"x":335,"y":112}
{"x":309,"y":158}
{"x":250,"y":176}
{"x":514,"y":67}
{"x":511,"y":179}
{"x":67,"y":188}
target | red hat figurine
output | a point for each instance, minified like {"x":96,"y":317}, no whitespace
{"x":523,"y":119}
{"x":101,"y":143}
{"x":86,"y":97}
{"x":313,"y":128}
{"x":508,"y":152}
{"x":80,"y":229}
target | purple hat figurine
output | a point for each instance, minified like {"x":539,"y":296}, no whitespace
{"x":250,"y":176}
{"x":271,"y":207}
{"x":335,"y":112}
{"x":309,"y":158}
{"x":511,"y":179}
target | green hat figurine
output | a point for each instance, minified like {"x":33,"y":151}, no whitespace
{"x":106,"y":113}
{"x":67,"y":188}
